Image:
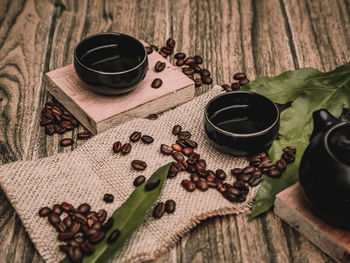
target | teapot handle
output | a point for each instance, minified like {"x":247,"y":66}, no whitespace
{"x":323,"y":121}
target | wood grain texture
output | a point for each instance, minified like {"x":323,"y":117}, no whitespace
{"x":260,"y":37}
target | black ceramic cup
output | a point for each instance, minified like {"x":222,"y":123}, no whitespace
{"x":111,"y":63}
{"x":241,"y":123}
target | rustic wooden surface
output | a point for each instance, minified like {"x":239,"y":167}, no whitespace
{"x":260,"y":37}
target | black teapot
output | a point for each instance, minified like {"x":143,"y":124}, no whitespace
{"x":324,"y":171}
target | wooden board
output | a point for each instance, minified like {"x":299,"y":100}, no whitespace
{"x":99,"y":112}
{"x":291,"y":206}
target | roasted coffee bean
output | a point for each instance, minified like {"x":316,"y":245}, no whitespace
{"x":75,"y":227}
{"x":154,"y":47}
{"x":182,"y":143}
{"x":239,"y":76}
{"x":207,"y":80}
{"x":244,"y":177}
{"x":160,"y":66}
{"x":181,"y":165}
{"x":91,"y":232}
{"x":235,"y":85}
{"x":102,"y":217}
{"x":198,"y":82}
{"x":243,"y":81}
{"x":75,"y":254}
{"x":205,"y":73}
{"x":194,"y":177}
{"x":188,"y":185}
{"x":84,"y":208}
{"x":229,"y":196}
{"x":74,"y":122}
{"x":149,"y":50}
{"x":126,"y":148}
{"x":257,"y":173}
{"x":84,"y":135}
{"x":138,"y":165}
{"x":176,"y":129}
{"x":166,"y":50}
{"x":268,"y":165}
{"x":97,"y":237}
{"x":45,"y":211}
{"x":108,"y":198}
{"x":170,"y":206}
{"x":274,"y":173}
{"x":220,"y":174}
{"x":152,"y":117}
{"x":221,"y":188}
{"x":66,"y":125}
{"x":176,"y":147}
{"x":66,"y":142}
{"x":194,"y":156}
{"x":184,"y":135}
{"x":255,"y":162}
{"x":113,"y":236}
{"x":188,"y":70}
{"x":135,"y":136}
{"x":61,"y":227}
{"x":248,"y":170}
{"x":139,"y":180}
{"x":210,"y":178}
{"x":67,"y":207}
{"x":106,"y":226}
{"x":57,"y":209}
{"x":185,"y":164}
{"x":187,"y":151}
{"x":255,"y":180}
{"x":165,"y":149}
{"x":211,"y":184}
{"x":152,"y":185}
{"x":170,"y":42}
{"x":202,"y":185}
{"x":189,"y":60}
{"x":59,"y":129}
{"x":198,"y":59}
{"x":159,"y":210}
{"x":202,"y":163}
{"x":80,"y":218}
{"x":180,"y":55}
{"x":226,"y":87}
{"x":233,"y":190}
{"x":63,"y":236}
{"x":241,"y":185}
{"x":190,"y":143}
{"x":281,"y":164}
{"x":54,"y":219}
{"x":180,"y":62}
{"x":178,"y":156}
{"x":288,"y":158}
{"x":191,"y":168}
{"x":156,"y":83}
{"x":50,"y":129}
{"x":91,"y":215}
{"x":45,"y":121}
{"x":147,"y":139}
{"x":63,"y":248}
{"x":90,"y":222}
{"x":197,"y":69}
{"x":57,"y":116}
{"x":219,"y":181}
{"x":87,"y":248}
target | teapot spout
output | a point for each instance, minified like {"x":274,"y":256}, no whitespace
{"x":323,"y":121}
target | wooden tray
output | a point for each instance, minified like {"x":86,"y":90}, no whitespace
{"x":292,"y":208}
{"x":99,"y":112}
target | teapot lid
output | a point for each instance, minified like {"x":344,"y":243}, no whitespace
{"x":339,"y":142}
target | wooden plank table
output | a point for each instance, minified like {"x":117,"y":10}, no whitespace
{"x":258,"y":37}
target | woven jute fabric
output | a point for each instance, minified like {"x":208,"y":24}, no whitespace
{"x":90,"y":171}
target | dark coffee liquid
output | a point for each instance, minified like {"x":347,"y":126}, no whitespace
{"x":237,"y":119}
{"x":109,"y":58}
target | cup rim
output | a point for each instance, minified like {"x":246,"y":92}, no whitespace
{"x":241,"y":134}
{"x":106,"y":34}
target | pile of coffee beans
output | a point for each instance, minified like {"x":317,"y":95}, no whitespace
{"x":169,"y":206}
{"x":241,"y":79}
{"x":80,"y":228}
{"x":56,"y":119}
{"x":190,"y":65}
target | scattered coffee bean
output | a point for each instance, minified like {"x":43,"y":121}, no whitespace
{"x":170,"y":43}
{"x":274,"y":173}
{"x":117,"y":147}
{"x":248,"y":170}
{"x":126,"y":148}
{"x":102,"y":216}
{"x":50,"y":129}
{"x":63,"y":236}
{"x":180,"y":55}
{"x":226,"y":87}
{"x":178,"y":156}
{"x":84,"y":208}
{"x":188,"y":70}
{"x":108,"y":198}
{"x":180,"y":62}
{"x":190,"y":143}
{"x":255,"y":180}
{"x":170,"y":206}
{"x":75,"y":254}
{"x":66,"y":142}
{"x":235,"y":86}
{"x":152,"y":117}
{"x":149,"y":50}
{"x":176,"y":147}
{"x":54,"y":219}
{"x":138,"y":165}
{"x":176,"y":129}
{"x":243,"y":81}
{"x":207,"y":80}
{"x":152,"y":185}
{"x":156,"y":83}
{"x":135,"y":136}
{"x":84,"y":135}
{"x":184,"y":135}
{"x":202,"y":185}
{"x":229,"y":196}
{"x":160,"y":66}
{"x":164,"y":55}
{"x":205,"y":73}
{"x":154,"y":47}
{"x":187,"y":151}
{"x":188,"y":185}
{"x":66,"y":125}
{"x":45,"y":211}
{"x":67,"y":207}
{"x":147,"y":139}
{"x":198,"y":59}
{"x":194,"y":177}
{"x":220,"y":174}
{"x":159,"y":210}
{"x":197,"y":82}
{"x":166,"y":50}
{"x":64,"y":248}
{"x":97,"y":237}
{"x":106,"y":226}
{"x":189,"y":60}
{"x":165,"y":149}
{"x":239,"y":76}
{"x":113,"y":236}
{"x":57,"y":209}
{"x":139,"y":180}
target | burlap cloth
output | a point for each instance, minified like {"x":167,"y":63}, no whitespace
{"x":90,"y":171}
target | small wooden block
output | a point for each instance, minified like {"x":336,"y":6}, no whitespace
{"x":292,"y":208}
{"x":100,"y":112}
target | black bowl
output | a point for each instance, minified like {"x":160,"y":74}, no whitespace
{"x":241,"y":123}
{"x":111,"y":63}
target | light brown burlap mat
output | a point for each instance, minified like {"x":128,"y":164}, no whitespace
{"x":92,"y":170}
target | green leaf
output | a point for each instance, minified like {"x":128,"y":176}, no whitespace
{"x":128,"y":217}
{"x":309,"y":90}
